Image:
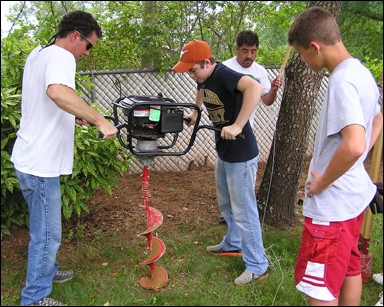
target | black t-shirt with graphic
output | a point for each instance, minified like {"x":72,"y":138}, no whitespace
{"x":223,"y":102}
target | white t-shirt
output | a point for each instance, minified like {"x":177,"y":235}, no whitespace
{"x":352,"y":98}
{"x":45,"y":141}
{"x":255,"y":70}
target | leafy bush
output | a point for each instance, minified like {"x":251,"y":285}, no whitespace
{"x":97,"y":164}
{"x":14,"y":52}
{"x":12,"y":208}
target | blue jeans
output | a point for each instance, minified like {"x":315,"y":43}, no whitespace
{"x":235,"y":188}
{"x":43,"y":197}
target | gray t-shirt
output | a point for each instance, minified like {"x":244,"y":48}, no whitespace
{"x":352,"y":98}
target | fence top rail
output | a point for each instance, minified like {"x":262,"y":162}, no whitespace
{"x":130,"y":71}
{"x":119,"y":71}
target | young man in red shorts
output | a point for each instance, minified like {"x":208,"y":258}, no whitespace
{"x":338,"y":189}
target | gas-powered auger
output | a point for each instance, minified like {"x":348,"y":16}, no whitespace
{"x":146,"y":119}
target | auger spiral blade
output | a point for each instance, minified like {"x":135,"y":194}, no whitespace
{"x":155,"y":251}
{"x":159,"y":276}
{"x":154,"y":220}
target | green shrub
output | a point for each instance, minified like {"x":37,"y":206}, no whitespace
{"x":13,"y":55}
{"x":95,"y":166}
{"x":13,"y":209}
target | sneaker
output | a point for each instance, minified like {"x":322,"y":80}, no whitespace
{"x":221,"y":220}
{"x":62,"y":276}
{"x":380,"y":302}
{"x":248,"y":278}
{"x":378,"y":278}
{"x":46,"y":301}
{"x":218,"y":251}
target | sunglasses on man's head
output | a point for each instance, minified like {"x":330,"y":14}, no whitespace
{"x":90,"y":45}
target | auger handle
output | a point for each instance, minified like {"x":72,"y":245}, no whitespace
{"x":188,"y":120}
{"x":100,"y":135}
{"x":239,"y":136}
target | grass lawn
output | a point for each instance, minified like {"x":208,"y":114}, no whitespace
{"x":107,"y":271}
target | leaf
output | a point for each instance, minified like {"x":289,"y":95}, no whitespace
{"x":67,"y":212}
{"x":16,"y":221}
{"x":93,"y":182}
{"x":78,"y":209}
{"x":5,"y":230}
{"x":93,"y":154}
{"x":81,"y":146}
{"x":109,"y":189}
{"x":71,"y":192}
{"x":84,"y":206}
{"x":3,"y":143}
{"x":91,"y":169}
{"x":10,"y":183}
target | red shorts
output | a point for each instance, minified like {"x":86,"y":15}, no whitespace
{"x":328,"y":253}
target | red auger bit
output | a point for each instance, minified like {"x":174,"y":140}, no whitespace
{"x":159,"y":276}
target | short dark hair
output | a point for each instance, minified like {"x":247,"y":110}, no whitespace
{"x":247,"y":37}
{"x":80,"y":21}
{"x":314,"y":24}
{"x":202,"y":63}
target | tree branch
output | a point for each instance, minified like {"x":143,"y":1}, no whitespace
{"x":17,"y":18}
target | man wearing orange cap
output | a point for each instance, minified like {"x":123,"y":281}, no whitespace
{"x":230,"y":97}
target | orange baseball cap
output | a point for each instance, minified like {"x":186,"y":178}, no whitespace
{"x":193,"y":52}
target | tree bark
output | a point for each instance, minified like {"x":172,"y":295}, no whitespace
{"x":277,"y":194}
{"x":149,"y":19}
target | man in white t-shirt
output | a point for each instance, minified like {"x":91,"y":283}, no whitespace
{"x":247,"y":43}
{"x":44,"y":146}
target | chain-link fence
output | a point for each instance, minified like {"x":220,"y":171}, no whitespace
{"x":110,"y":85}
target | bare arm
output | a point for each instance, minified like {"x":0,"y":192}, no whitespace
{"x":376,"y":129}
{"x":67,"y":99}
{"x":193,"y":115}
{"x":252,"y":92}
{"x":351,"y":148}
{"x":270,"y":97}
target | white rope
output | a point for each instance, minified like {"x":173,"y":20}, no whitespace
{"x":274,"y":268}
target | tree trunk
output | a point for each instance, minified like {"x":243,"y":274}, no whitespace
{"x":276,"y":196}
{"x":149,"y":19}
